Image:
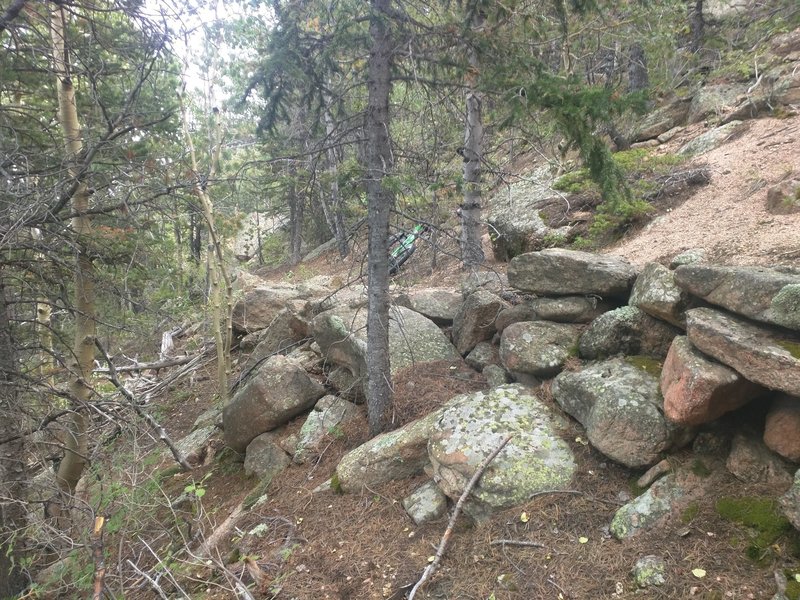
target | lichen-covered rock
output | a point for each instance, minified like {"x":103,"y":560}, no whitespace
{"x":538,"y":348}
{"x":279,"y":391}
{"x":425,"y":504}
{"x":482,"y":355}
{"x":782,"y":428}
{"x":699,"y":390}
{"x":330,"y":412}
{"x":438,"y":304}
{"x":560,"y":272}
{"x":515,"y":314}
{"x":495,"y":376}
{"x":688,"y":257}
{"x":759,"y":293}
{"x":649,"y":571}
{"x":474,"y":321}
{"x":488,"y":281}
{"x":752,"y":462}
{"x":647,"y":510}
{"x":621,"y":408}
{"x":790,"y":502}
{"x":767,"y":357}
{"x":626,"y":330}
{"x":712,"y":99}
{"x":260,"y":302}
{"x":535,"y":459}
{"x":346,"y":384}
{"x":393,"y":455}
{"x":570,"y":309}
{"x":712,"y":139}
{"x":195,"y":446}
{"x":342,"y":335}
{"x":656,"y":293}
{"x":264,"y":458}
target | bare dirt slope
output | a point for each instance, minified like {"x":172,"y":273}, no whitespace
{"x":728,"y":218}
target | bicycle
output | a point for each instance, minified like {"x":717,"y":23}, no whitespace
{"x":402,"y":246}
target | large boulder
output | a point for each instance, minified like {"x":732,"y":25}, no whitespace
{"x":389,"y":456}
{"x":759,"y":293}
{"x":712,"y":139}
{"x":626,"y":330}
{"x":474,"y":321}
{"x":515,"y":223}
{"x":534,"y":460}
{"x":264,"y":458}
{"x":279,"y":391}
{"x":438,"y":304}
{"x":767,"y":357}
{"x":699,"y":390}
{"x":538,"y":348}
{"x":260,"y":302}
{"x":656,"y":293}
{"x":279,"y":337}
{"x":569,"y":309}
{"x":714,"y":99}
{"x":560,"y":272}
{"x":621,"y":408}
{"x":342,"y":335}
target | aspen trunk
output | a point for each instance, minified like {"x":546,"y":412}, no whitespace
{"x":71,"y":467}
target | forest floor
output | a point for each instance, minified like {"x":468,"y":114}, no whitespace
{"x":320,"y":545}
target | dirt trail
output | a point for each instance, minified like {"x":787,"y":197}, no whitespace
{"x":728,"y":218}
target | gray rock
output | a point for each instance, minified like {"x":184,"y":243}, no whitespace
{"x":482,"y":355}
{"x":279,"y":337}
{"x":413,"y":339}
{"x":195,"y":446}
{"x":699,"y":390}
{"x":393,"y":455}
{"x":346,"y":384}
{"x":474,"y":321}
{"x":688,"y":257}
{"x":536,"y":458}
{"x":538,"y":348}
{"x":569,"y":309}
{"x":260,"y":302}
{"x":712,"y":100}
{"x":264,"y":458}
{"x":560,"y":272}
{"x":790,"y":502}
{"x":626,"y":330}
{"x":495,"y":376}
{"x":329,"y":413}
{"x":488,"y":281}
{"x":712,"y":139}
{"x":656,"y":293}
{"x":759,"y":293}
{"x":647,"y":510}
{"x":211,"y":417}
{"x":425,"y":504}
{"x":752,"y":462}
{"x":766,"y":357}
{"x":279,"y":391}
{"x":621,"y":408}
{"x":662,"y":120}
{"x":515,"y":314}
{"x":438,"y":304}
{"x":649,"y":571}
{"x":784,"y":198}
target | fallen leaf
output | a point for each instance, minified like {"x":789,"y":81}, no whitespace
{"x":524,"y":517}
{"x":699,"y":573}
{"x":583,"y":540}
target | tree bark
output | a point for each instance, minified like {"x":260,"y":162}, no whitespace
{"x":13,"y":473}
{"x":471,"y":250}
{"x":697,"y":24}
{"x":296,"y":215}
{"x":379,"y":165}
{"x":638,"y":78}
{"x":333,"y":210}
{"x":72,"y":466}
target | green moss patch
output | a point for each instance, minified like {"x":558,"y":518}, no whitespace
{"x":792,"y":347}
{"x":647,"y":364}
{"x":690,"y":513}
{"x":700,"y":468}
{"x":762,"y":516}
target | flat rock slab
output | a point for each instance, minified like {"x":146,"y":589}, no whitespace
{"x":759,"y":293}
{"x":560,"y":272}
{"x":538,"y":348}
{"x":536,"y":458}
{"x":440,"y":305}
{"x":764,"y":356}
{"x":699,"y":390}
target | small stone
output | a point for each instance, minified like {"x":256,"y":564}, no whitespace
{"x":649,"y":571}
{"x":426,"y":503}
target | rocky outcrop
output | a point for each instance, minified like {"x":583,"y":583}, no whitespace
{"x":474,"y":321}
{"x":712,"y":139}
{"x":759,"y":354}
{"x":759,"y":293}
{"x":626,"y":330}
{"x":714,"y":100}
{"x":560,"y":272}
{"x":534,"y":460}
{"x":260,"y":303}
{"x":279,"y":391}
{"x":620,"y":407}
{"x":699,"y":390}
{"x":538,"y":348}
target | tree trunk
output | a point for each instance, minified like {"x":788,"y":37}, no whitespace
{"x":72,"y":466}
{"x":333,"y":212}
{"x":379,"y":205}
{"x":13,"y":473}
{"x":638,"y":78}
{"x":471,"y":250}
{"x":295,"y":218}
{"x":697,"y":24}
